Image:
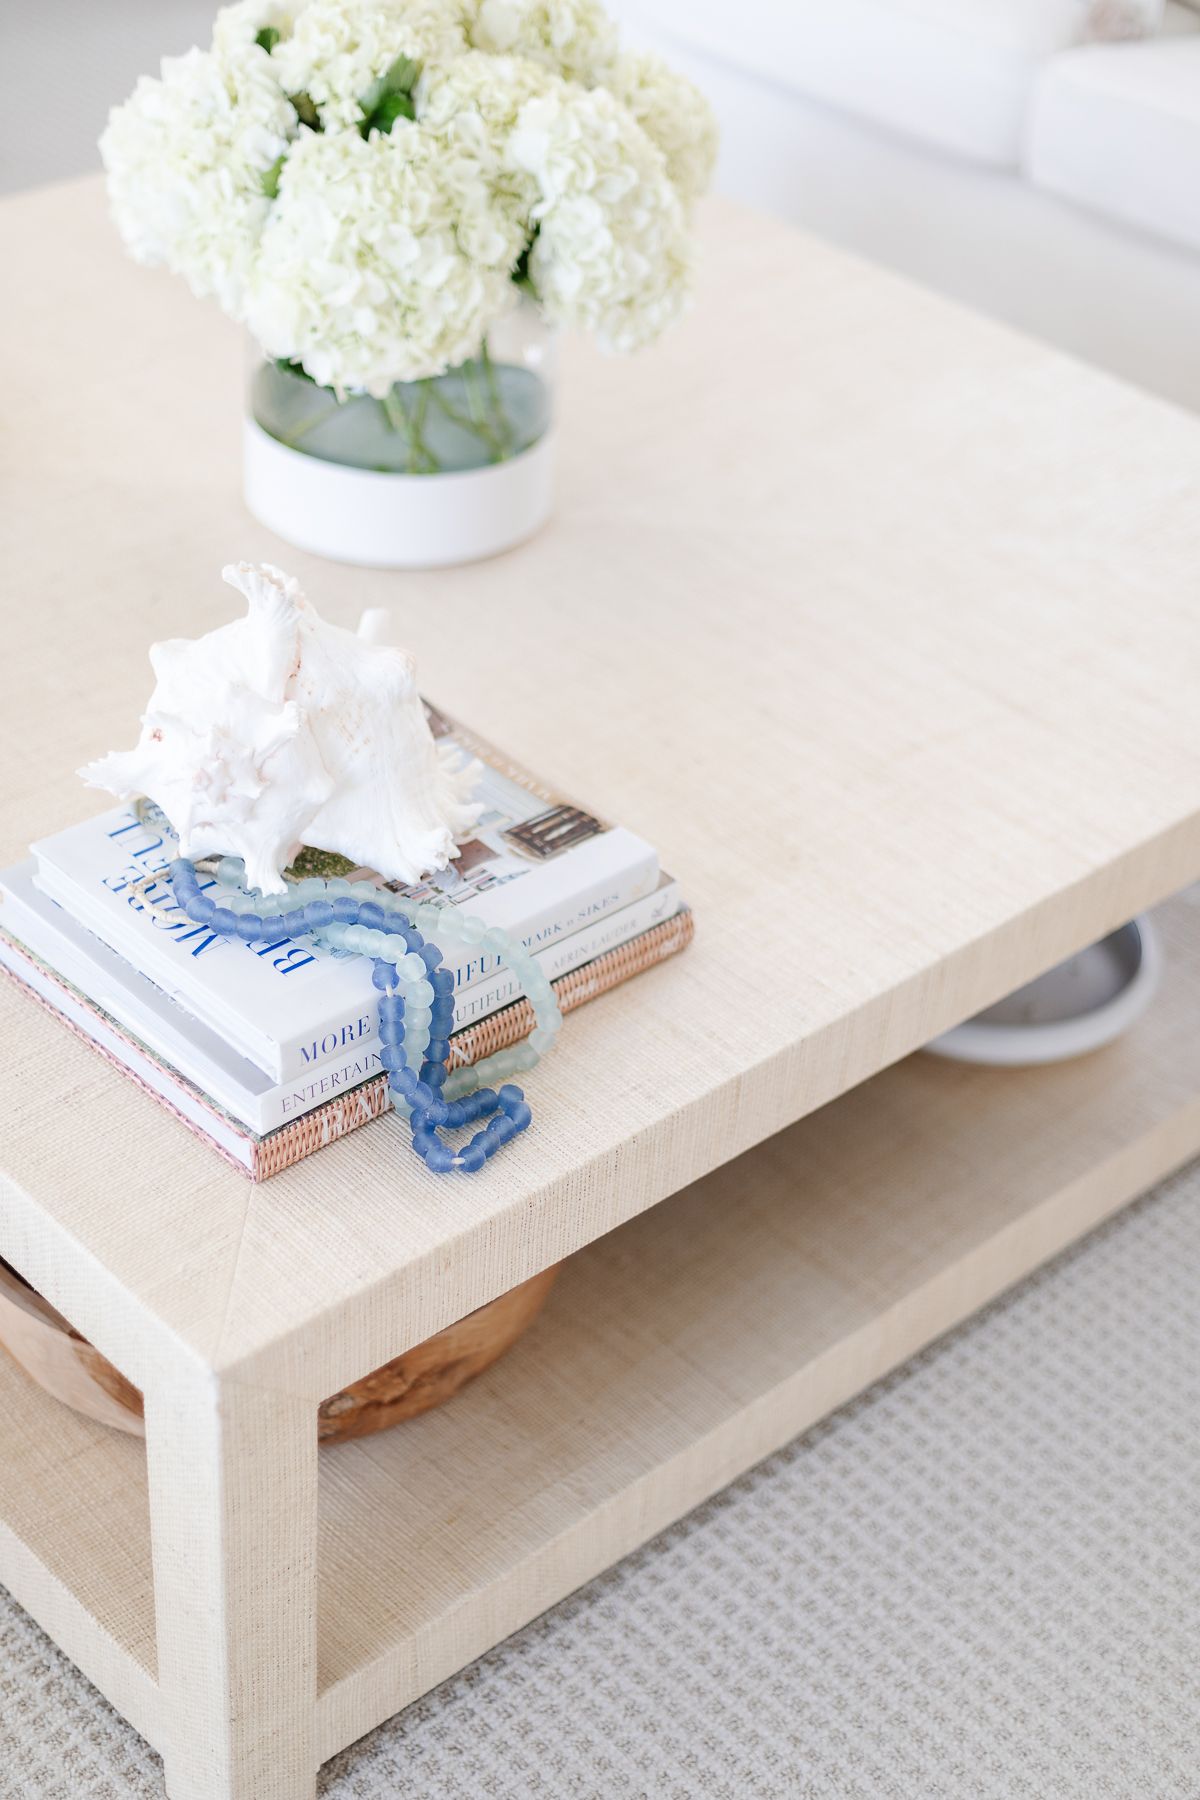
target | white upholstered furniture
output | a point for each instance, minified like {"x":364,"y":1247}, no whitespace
{"x":977,"y":146}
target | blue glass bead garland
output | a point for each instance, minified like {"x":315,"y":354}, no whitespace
{"x":416,"y":997}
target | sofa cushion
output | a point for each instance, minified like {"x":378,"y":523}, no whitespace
{"x":1116,"y":128}
{"x":956,"y":74}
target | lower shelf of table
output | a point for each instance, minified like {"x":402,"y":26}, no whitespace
{"x":672,"y":1355}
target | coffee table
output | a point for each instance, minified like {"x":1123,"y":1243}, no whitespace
{"x":882,"y":622}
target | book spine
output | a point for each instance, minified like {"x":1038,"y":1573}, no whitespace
{"x":599,"y":903}
{"x":488,"y":995}
{"x":575,"y":989}
{"x":323,"y":1081}
{"x":284,"y":1148}
{"x":262,"y":1157}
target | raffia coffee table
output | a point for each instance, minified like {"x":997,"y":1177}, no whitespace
{"x":885,"y":625}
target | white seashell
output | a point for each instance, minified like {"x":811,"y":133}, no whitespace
{"x":280,"y":730}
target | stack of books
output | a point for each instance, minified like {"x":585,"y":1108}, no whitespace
{"x":269,"y":1051}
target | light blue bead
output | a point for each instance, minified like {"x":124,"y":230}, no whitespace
{"x":230,"y":870}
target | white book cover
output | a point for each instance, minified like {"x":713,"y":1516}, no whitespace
{"x":203,"y":1057}
{"x":535,"y":866}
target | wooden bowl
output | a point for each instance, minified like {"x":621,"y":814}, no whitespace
{"x":68,"y":1367}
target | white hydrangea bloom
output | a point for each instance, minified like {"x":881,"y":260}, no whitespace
{"x":186,"y":156}
{"x":361,"y":276}
{"x":472,"y":105}
{"x":236,"y":27}
{"x":339,"y":49}
{"x":674,"y":115}
{"x":575,"y":38}
{"x":611,"y":254}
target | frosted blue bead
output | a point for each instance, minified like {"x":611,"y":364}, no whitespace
{"x":250,"y":927}
{"x":472,"y":1157}
{"x":407,"y":1082}
{"x":442,"y":981}
{"x":383,"y":976}
{"x":487,"y":1101}
{"x":437,"y":1111}
{"x":311,"y":888}
{"x":437,"y":1049}
{"x":345,"y":909}
{"x":319,"y":912}
{"x":224,"y":921}
{"x":424,"y":1141}
{"x":371,"y":914}
{"x":440,"y":1159}
{"x":391,"y":1006}
{"x":230,"y":870}
{"x":510,"y":1095}
{"x":293,"y":924}
{"x":200,"y":908}
{"x":431,"y":956}
{"x":503,"y":1128}
{"x":520,"y":1117}
{"x":433,"y":1074}
{"x":392,"y":1058}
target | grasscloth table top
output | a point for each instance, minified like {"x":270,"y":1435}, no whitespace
{"x":881,"y":621}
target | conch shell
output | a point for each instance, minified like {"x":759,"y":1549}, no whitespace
{"x":280,"y":730}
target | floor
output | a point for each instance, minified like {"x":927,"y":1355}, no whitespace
{"x":979,"y":1582}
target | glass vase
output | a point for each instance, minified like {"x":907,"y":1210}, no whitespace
{"x":439,"y":471}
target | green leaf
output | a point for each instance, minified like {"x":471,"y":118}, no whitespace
{"x":267,"y":38}
{"x":270,"y":177}
{"x":520,"y":273}
{"x":390,"y":98}
{"x":306,"y":110}
{"x":402,"y":77}
{"x":390,"y":108}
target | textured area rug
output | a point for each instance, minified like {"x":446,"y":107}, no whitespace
{"x":982,"y":1579}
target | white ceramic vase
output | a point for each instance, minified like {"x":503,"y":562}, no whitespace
{"x":438,"y":472}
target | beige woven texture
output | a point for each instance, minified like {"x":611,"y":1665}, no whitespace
{"x":980,"y":1582}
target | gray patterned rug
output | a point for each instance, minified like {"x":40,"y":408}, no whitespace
{"x":982,"y":1579}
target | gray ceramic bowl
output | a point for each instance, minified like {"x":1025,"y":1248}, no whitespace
{"x":1075,"y":1007}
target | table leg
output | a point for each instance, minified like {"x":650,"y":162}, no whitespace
{"x":233,"y":1498}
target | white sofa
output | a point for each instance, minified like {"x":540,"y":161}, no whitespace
{"x":977,"y":146}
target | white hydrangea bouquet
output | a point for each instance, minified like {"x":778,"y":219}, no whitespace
{"x":384,"y":191}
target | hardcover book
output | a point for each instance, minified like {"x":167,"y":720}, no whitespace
{"x":536,"y":866}
{"x":263,"y":1155}
{"x":194,"y":1050}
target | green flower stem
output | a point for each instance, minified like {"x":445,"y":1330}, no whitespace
{"x":503,"y":423}
{"x":306,"y":425}
{"x":421,"y":460}
{"x":476,"y":427}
